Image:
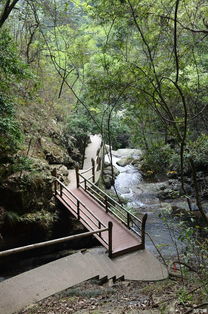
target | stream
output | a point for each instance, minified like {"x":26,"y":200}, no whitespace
{"x":142,"y":198}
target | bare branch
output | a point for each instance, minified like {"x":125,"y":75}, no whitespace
{"x":9,"y":6}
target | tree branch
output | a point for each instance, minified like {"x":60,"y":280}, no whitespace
{"x":7,"y":10}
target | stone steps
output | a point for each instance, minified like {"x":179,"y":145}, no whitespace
{"x":41,"y":282}
{"x":104,"y":266}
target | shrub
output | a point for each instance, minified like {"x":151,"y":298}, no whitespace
{"x":157,"y":158}
{"x":10,"y":134}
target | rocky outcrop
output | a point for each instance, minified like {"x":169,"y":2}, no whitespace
{"x":27,"y":193}
{"x":108,"y":179}
{"x":55,"y":154}
{"x":171,"y":189}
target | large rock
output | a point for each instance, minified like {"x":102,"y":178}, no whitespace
{"x":108,"y":171}
{"x":128,"y":152}
{"x":128,"y":156}
{"x":27,"y":191}
{"x":61,"y":172}
{"x":108,"y":179}
{"x":124,"y":161}
{"x":56,"y":154}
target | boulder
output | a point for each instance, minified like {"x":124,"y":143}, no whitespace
{"x":61,"y":172}
{"x":56,"y":154}
{"x":108,"y":181}
{"x":168,"y":194}
{"x":137,"y":163}
{"x":26,"y":192}
{"x":124,"y":161}
{"x":108,"y":171}
{"x":128,"y":152}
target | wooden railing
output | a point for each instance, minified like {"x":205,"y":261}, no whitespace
{"x":82,"y":213}
{"x":112,"y":206}
{"x":50,"y":242}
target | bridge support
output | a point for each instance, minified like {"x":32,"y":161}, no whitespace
{"x":110,"y":246}
{"x":77,"y":176}
{"x":93,"y":170}
{"x":143,"y":230}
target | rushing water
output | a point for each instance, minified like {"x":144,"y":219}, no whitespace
{"x":142,"y":197}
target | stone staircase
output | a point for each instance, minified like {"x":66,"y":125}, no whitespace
{"x":103,"y":266}
{"x":32,"y":286}
{"x":22,"y":290}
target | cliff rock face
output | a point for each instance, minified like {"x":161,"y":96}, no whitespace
{"x":27,"y":208}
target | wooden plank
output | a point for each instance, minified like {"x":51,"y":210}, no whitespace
{"x":123,"y":240}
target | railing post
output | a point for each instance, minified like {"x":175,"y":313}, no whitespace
{"x":85,"y":184}
{"x":77,"y":175}
{"x":99,"y":162}
{"x":78,"y":209}
{"x":55,"y":187}
{"x":143,"y":230}
{"x":110,"y":246}
{"x":93,"y":170}
{"x":106,"y":203}
{"x":99,"y":227}
{"x":128,"y":220}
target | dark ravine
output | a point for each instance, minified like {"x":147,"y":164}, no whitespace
{"x":28,"y":213}
{"x":65,"y":225}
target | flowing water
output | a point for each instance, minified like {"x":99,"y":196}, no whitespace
{"x":142,"y":198}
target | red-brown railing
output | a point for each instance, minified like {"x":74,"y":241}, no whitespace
{"x":82,"y":213}
{"x":112,"y":206}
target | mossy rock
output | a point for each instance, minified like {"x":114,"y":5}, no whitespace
{"x":108,"y":181}
{"x":30,"y":191}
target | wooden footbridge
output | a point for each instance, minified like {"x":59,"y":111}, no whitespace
{"x":118,"y":230}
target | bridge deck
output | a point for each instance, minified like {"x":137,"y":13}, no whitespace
{"x":123,"y":240}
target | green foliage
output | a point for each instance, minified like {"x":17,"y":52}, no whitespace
{"x":22,"y":163}
{"x":183,"y":295}
{"x":157,"y":158}
{"x":194,"y":237}
{"x":12,"y":217}
{"x":43,"y":218}
{"x":12,"y":69}
{"x":10,"y":134}
{"x":11,"y":65}
{"x":80,"y":127}
{"x":198,"y":151}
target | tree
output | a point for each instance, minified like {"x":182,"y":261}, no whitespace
{"x":163,"y":60}
{"x":6,"y":8}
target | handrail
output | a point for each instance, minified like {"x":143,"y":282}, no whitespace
{"x":50,"y":242}
{"x":110,"y":198}
{"x":128,"y":219}
{"x":92,"y":219}
{"x":87,"y":170}
{"x":80,"y":202}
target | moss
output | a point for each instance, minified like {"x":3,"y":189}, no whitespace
{"x":43,"y":218}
